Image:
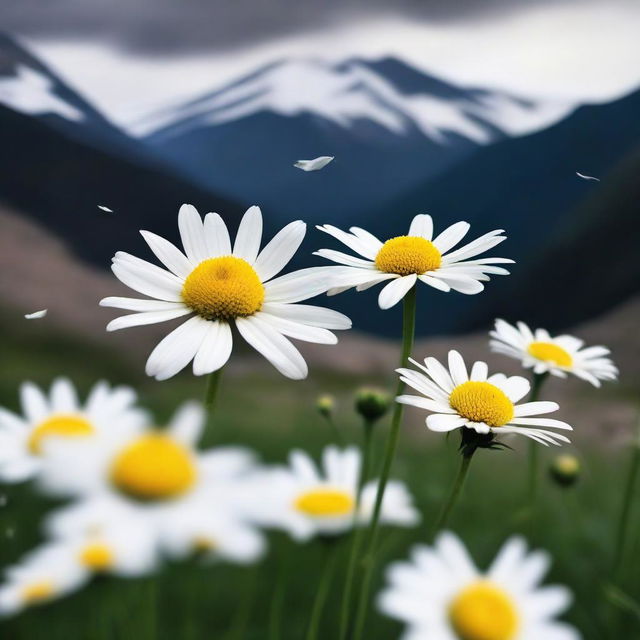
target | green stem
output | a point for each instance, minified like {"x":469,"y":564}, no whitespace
{"x":456,"y":489}
{"x":323,"y":589}
{"x":534,"y":462}
{"x":358,"y":536}
{"x":213,"y":383}
{"x":627,"y":501}
{"x":336,"y":431}
{"x":275,"y":610}
{"x":408,"y":331}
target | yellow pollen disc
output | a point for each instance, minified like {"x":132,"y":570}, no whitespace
{"x":62,"y":426}
{"x":154,"y":467}
{"x":550,"y":352}
{"x":97,"y":556}
{"x":482,"y":402}
{"x":223,"y":288}
{"x":38,"y":591}
{"x":483,"y":611}
{"x":405,"y":255}
{"x":324,"y":502}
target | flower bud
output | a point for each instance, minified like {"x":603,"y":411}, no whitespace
{"x":325,"y":404}
{"x":565,"y":470}
{"x":372,"y":403}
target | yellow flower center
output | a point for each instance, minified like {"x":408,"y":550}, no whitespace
{"x":550,"y":352}
{"x":62,"y":426}
{"x":223,"y":288}
{"x":97,"y":556}
{"x":482,"y":402}
{"x":483,"y":611}
{"x":204,"y":544}
{"x":405,"y":255}
{"x":154,"y":467}
{"x":324,"y":503}
{"x":38,"y":591}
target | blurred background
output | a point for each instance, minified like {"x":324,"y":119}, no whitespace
{"x":484,"y":112}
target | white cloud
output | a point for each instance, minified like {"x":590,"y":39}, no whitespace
{"x":585,"y":52}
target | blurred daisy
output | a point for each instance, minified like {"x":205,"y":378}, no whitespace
{"x":60,"y":416}
{"x":157,"y":476}
{"x":306,"y":501}
{"x":417,"y":256}
{"x":558,"y":356}
{"x":440,"y":595}
{"x":487,"y":404}
{"x":41,"y":577}
{"x":219,"y":286}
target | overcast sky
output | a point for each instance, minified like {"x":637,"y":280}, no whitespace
{"x":130,"y":60}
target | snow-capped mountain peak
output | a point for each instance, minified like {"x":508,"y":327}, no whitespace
{"x":356,"y":90}
{"x":32,"y":92}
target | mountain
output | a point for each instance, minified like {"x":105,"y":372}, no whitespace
{"x":389,"y":126}
{"x":66,"y":159}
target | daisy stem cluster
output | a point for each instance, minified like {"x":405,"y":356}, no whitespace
{"x":356,"y":543}
{"x":534,"y":463}
{"x":455,"y":492}
{"x":627,"y":502}
{"x":408,"y":332}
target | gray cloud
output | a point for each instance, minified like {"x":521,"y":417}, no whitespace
{"x":174,"y":26}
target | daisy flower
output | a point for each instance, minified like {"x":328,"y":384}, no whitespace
{"x":487,"y":404}
{"x":218,"y":287}
{"x":306,"y":501}
{"x":559,"y":356}
{"x":41,"y":577}
{"x":60,"y":416}
{"x":157,"y":476}
{"x":417,"y":256}
{"x":441,"y":595}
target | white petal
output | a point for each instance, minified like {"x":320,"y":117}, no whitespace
{"x":63,"y":396}
{"x":298,"y":330}
{"x":477,"y":246}
{"x":298,"y":285}
{"x":215,"y":348}
{"x":425,"y":403}
{"x":187,"y":423}
{"x":444,"y":422}
{"x":216,"y":236}
{"x":192,"y":233}
{"x":176,"y":350}
{"x":147,"y":317}
{"x":535,"y":408}
{"x":393,"y":292}
{"x":139,"y":304}
{"x":273,"y":346}
{"x":435,"y":282}
{"x":422,"y":226}
{"x":345,"y":258}
{"x":308,"y":314}
{"x":277,"y":253}
{"x":457,"y":368}
{"x":479,"y":371}
{"x":451,"y":236}
{"x":360,"y":245}
{"x":249,"y":235}
{"x":168,"y":254}
{"x":156,"y":283}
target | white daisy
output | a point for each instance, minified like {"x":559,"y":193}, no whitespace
{"x":306,"y":501}
{"x":60,"y":416}
{"x":441,"y":595}
{"x":39,"y":578}
{"x":417,"y":256}
{"x":558,"y":356}
{"x":219,"y":286}
{"x":157,"y":476}
{"x":125,"y":548}
{"x":478,"y":401}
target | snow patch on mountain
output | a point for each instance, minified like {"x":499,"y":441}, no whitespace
{"x":353,"y":91}
{"x":31,"y":92}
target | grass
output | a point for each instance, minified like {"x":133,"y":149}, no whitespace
{"x":191,"y":601}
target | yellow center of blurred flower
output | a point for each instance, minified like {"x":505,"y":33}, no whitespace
{"x":97,"y":556}
{"x":567,"y":464}
{"x":482,"y":402}
{"x":325,"y":502}
{"x":223,"y":288}
{"x":154,"y":467}
{"x":38,"y":591}
{"x":61,"y":426}
{"x":405,"y":255}
{"x":483,"y":611}
{"x":204,"y":544}
{"x":550,"y":352}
